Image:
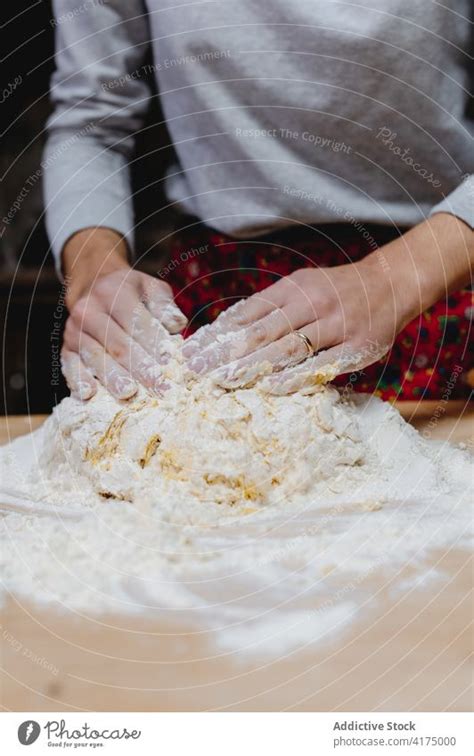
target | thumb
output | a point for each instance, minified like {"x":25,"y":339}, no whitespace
{"x":323,"y":368}
{"x":308,"y":375}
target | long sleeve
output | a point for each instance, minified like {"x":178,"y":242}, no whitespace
{"x":100,"y":97}
{"x":460,"y":202}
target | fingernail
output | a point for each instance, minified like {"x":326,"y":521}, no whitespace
{"x":125,"y":388}
{"x":83,"y":391}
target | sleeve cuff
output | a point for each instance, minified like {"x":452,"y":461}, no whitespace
{"x":460,"y":202}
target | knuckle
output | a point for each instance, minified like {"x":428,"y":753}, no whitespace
{"x":102,"y":286}
{"x":79,"y":311}
{"x":322,"y":304}
{"x":298,"y":276}
{"x":154,"y":287}
{"x":90,"y":354}
{"x":289,"y":349}
{"x":236,"y":315}
{"x":69,"y":330}
{"x":118,"y":351}
{"x":258,"y":334}
{"x":164,"y":287}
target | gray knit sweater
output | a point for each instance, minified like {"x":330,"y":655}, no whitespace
{"x":281,"y":112}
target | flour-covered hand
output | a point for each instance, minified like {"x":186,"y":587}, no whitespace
{"x":351,"y":314}
{"x":118,"y":330}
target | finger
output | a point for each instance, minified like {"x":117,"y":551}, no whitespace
{"x":276,"y":296}
{"x":315,"y":371}
{"x":238,"y":316}
{"x":168,"y":314}
{"x":132,"y":316}
{"x":324,"y":367}
{"x":146,"y":331}
{"x":110,"y":374}
{"x":161,"y":306}
{"x":125,"y":351}
{"x":80,"y":380}
{"x":238,"y":344}
{"x":287,"y":351}
{"x":225,"y":322}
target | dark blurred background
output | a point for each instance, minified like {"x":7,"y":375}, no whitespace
{"x":31,"y":295}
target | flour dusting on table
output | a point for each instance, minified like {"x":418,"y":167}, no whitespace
{"x":261,"y":520}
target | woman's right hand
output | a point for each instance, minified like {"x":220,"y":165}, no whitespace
{"x":119,"y":319}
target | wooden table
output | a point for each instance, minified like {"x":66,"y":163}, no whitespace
{"x":409,"y":653}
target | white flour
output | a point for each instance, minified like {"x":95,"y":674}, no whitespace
{"x":261,"y":520}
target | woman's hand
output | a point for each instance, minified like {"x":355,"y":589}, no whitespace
{"x":351,"y":313}
{"x":119,"y":320}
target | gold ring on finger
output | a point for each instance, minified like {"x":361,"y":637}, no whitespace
{"x":307,"y":342}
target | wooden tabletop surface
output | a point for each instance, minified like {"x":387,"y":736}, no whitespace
{"x":407,"y":653}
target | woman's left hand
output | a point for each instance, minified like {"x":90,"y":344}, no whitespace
{"x":353,"y":312}
{"x":350,"y":314}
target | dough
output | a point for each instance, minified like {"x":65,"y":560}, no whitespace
{"x":240,"y":450}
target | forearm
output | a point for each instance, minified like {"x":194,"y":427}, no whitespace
{"x":427,"y":263}
{"x":98,"y":109}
